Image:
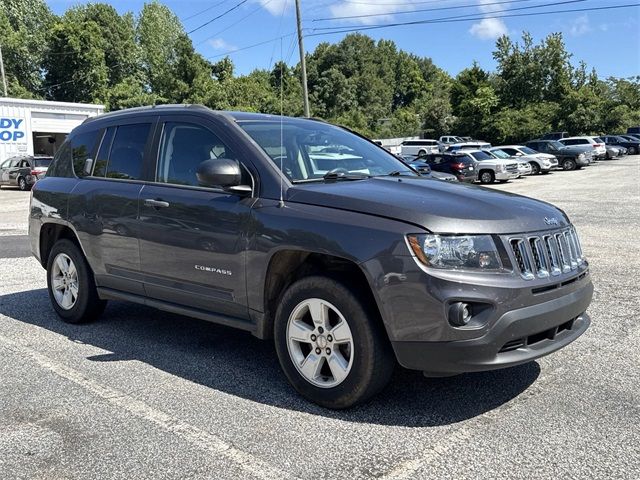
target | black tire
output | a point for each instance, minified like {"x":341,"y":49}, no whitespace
{"x":373,"y":359}
{"x":569,"y":164}
{"x":486,"y":176}
{"x":88,"y":306}
{"x":535,"y":168}
{"x":22,"y":184}
{"x":422,"y":153}
{"x":633,"y":150}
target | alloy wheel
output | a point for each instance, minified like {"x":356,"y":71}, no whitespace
{"x":64,"y":281}
{"x":320,"y":343}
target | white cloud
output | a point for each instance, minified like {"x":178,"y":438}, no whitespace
{"x":489,"y":29}
{"x":221,"y":44}
{"x":580,"y":26}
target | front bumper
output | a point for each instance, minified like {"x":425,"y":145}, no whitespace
{"x":507,"y":175}
{"x":518,"y":336}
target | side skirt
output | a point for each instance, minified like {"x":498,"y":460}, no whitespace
{"x":112,"y":294}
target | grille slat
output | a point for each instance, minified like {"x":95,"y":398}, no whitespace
{"x":547,"y":255}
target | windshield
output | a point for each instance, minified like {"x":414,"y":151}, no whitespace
{"x":42,"y":162}
{"x":500,"y":153}
{"x":312,"y":151}
{"x":527,"y":151}
{"x":480,"y":156}
{"x":555,"y":144}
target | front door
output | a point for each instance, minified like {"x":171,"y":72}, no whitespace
{"x":193,"y":239}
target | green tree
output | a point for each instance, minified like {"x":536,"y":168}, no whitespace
{"x":24,"y":31}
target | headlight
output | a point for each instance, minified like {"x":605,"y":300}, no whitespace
{"x":455,"y":252}
{"x":500,"y":168}
{"x":581,"y":156}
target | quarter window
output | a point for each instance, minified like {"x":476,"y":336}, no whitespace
{"x":184,"y":146}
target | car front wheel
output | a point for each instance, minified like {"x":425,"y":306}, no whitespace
{"x":331,"y":346}
{"x":569,"y":164}
{"x":535,"y":168}
{"x":72,"y":289}
{"x":487,"y":176}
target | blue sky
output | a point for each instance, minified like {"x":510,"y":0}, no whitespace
{"x":606,"y":39}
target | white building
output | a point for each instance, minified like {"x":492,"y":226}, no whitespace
{"x":32,"y":127}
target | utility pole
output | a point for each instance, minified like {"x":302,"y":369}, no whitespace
{"x":4,"y":80}
{"x":303,"y":63}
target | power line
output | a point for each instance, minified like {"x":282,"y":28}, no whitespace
{"x":238,"y":5}
{"x":186,"y":19}
{"x":250,"y":46}
{"x":528,"y":7}
{"x":404,"y":12}
{"x":259,"y":7}
{"x":479,"y":17}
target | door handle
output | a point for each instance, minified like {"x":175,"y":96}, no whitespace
{"x":150,"y":202}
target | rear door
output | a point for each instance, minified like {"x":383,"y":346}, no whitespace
{"x":193,"y":239}
{"x":106,"y":214}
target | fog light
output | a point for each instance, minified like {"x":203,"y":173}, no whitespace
{"x":460,"y":314}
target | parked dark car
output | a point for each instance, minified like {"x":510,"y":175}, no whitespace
{"x":633,"y":136}
{"x":569,"y":157}
{"x":554,"y":135}
{"x":633,"y":147}
{"x":23,"y":171}
{"x":425,"y":170}
{"x":348,"y":261}
{"x":460,"y":165}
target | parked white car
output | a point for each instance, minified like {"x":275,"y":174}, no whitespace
{"x":447,"y":140}
{"x":599,"y":148}
{"x":419,"y":148}
{"x":468,"y":146}
{"x":490,"y":168}
{"x":540,"y":162}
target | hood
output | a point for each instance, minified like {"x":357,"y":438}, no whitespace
{"x":440,"y":207}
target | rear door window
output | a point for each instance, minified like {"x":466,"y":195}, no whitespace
{"x":127,"y":151}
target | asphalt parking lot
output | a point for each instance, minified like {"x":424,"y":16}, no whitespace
{"x":146,"y":394}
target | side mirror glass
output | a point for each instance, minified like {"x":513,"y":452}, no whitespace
{"x":219,"y":172}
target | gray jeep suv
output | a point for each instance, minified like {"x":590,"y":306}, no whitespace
{"x":308,"y":234}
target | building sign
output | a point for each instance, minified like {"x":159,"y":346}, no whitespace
{"x":13,"y":130}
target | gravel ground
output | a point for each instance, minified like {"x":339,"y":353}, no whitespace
{"x":146,"y":394}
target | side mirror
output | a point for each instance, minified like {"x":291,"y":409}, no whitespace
{"x":519,"y":154}
{"x":220,"y":173}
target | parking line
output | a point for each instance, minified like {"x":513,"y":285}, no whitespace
{"x":194,"y":435}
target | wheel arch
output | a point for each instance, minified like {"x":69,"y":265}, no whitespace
{"x":289,"y":265}
{"x":50,"y":233}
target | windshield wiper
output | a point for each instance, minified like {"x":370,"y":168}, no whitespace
{"x":344,"y":176}
{"x":398,"y":173}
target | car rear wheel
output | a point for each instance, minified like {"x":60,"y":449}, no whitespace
{"x":569,"y":164}
{"x":487,"y":176}
{"x":535,"y":168}
{"x":422,"y":153}
{"x":22,"y":184}
{"x":72,"y":289}
{"x":331,"y":346}
{"x":633,"y":150}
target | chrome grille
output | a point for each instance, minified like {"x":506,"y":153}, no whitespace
{"x":548,"y":254}
{"x":512,"y":167}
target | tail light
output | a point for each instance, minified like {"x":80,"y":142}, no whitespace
{"x":34,"y":172}
{"x":458,"y":166}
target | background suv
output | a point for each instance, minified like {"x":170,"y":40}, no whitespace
{"x":23,"y":171}
{"x":460,"y":165}
{"x":599,"y":150}
{"x":418,"y":148}
{"x":540,"y":162}
{"x":570,"y":157}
